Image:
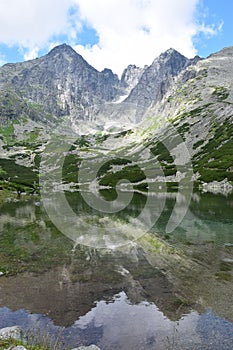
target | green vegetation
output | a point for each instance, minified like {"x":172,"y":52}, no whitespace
{"x":108,"y":165}
{"x":101,"y":138}
{"x":152,"y":243}
{"x":154,"y":125}
{"x":10,"y":343}
{"x":2,"y":172}
{"x":215,"y":160}
{"x":70,"y":168}
{"x":82,"y":142}
{"x":11,"y":106}
{"x":131,"y":173}
{"x":161,"y":152}
{"x":33,"y":135}
{"x":165,"y":159}
{"x":198,"y":144}
{"x":183,"y":129}
{"x":18,"y":176}
{"x":193,"y":112}
{"x":224,"y":276}
{"x":221,"y":93}
{"x":5,"y":194}
{"x":7,"y":133}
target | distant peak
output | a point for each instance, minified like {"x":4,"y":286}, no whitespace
{"x":171,"y":52}
{"x":63,"y":48}
{"x":169,"y":55}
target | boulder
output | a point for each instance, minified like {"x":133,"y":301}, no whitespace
{"x":14,"y":332}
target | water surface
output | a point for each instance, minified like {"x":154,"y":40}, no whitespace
{"x":163,"y":291}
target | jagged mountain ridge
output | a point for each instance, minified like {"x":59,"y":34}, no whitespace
{"x":62,"y":83}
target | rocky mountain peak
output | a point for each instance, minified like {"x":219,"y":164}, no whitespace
{"x":62,"y":48}
{"x":171,"y":62}
{"x":156,"y":79}
{"x":66,"y":54}
{"x":169,"y":53}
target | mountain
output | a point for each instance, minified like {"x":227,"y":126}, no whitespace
{"x":199,"y":105}
{"x":59,"y":84}
{"x":62,"y":83}
{"x":157,"y":78}
{"x":176,"y":113}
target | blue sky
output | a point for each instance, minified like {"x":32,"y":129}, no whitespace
{"x":217,"y":11}
{"x":114,"y":33}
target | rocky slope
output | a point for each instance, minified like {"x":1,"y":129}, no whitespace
{"x":199,"y":105}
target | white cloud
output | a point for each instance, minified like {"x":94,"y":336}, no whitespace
{"x":129,"y":31}
{"x":33,"y":22}
{"x":136,"y":31}
{"x":32,"y":53}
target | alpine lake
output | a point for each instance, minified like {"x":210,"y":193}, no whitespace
{"x":133,"y":290}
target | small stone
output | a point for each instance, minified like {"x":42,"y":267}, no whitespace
{"x":90,"y":347}
{"x":18,"y":348}
{"x":14,"y":332}
{"x":227,"y":260}
{"x":228,"y":245}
